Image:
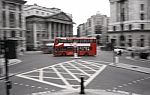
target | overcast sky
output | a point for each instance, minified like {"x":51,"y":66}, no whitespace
{"x":81,"y":10}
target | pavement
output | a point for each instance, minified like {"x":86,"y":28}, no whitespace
{"x":86,"y":92}
{"x":10,"y":61}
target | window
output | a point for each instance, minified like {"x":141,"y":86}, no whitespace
{"x":37,"y":12}
{"x":142,"y":7}
{"x":141,"y":42}
{"x":21,"y":33}
{"x":142,"y":16}
{"x":4,"y":18}
{"x":114,"y":28}
{"x":12,"y":20}
{"x":122,"y":14}
{"x":20,"y":20}
{"x":129,"y":36}
{"x":142,"y":26}
{"x":42,"y":13}
{"x":122,"y":27}
{"x":28,"y":13}
{"x":3,"y":5}
{"x":12,"y":6}
{"x":130,"y":27}
{"x":20,"y":8}
{"x":13,"y":33}
{"x":142,"y":36}
{"x":130,"y":42}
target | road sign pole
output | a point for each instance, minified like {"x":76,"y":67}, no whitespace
{"x":75,"y":50}
{"x":7,"y":82}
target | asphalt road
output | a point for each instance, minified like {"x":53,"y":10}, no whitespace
{"x":45,"y":73}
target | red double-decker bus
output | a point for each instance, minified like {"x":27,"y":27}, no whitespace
{"x":83,"y":46}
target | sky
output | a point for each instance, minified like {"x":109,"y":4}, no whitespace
{"x":81,"y":10}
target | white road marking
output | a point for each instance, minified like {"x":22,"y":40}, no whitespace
{"x":59,"y":69}
{"x":26,"y":85}
{"x":20,"y":84}
{"x":70,"y":73}
{"x":120,"y":86}
{"x":41,"y":75}
{"x":134,"y":81}
{"x":50,"y":83}
{"x":15,"y":83}
{"x":115,"y":88}
{"x":39,"y":87}
{"x":125,"y":85}
{"x":100,"y":61}
{"x":32,"y":86}
{"x":93,"y":64}
{"x":63,"y":79}
{"x":86,"y":66}
{"x":79,"y":69}
{"x":129,"y":83}
{"x":94,"y":75}
{"x":53,"y":90}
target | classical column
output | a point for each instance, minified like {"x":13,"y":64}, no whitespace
{"x":63,"y":30}
{"x":55,"y":29}
{"x":49,"y":30}
{"x":68,"y":30}
{"x":71,"y":30}
{"x":34,"y":35}
{"x":59,"y":29}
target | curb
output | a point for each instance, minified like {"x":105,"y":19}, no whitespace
{"x":87,"y":92}
{"x":136,"y":58}
{"x":131,"y":67}
{"x":10,"y":61}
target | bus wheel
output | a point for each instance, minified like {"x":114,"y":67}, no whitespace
{"x":86,"y":54}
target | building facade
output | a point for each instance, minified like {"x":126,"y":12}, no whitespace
{"x":129,"y":23}
{"x":44,"y":24}
{"x":96,"y":26}
{"x":12,"y":22}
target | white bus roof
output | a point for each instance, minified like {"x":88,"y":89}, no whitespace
{"x":50,"y":44}
{"x":75,"y":38}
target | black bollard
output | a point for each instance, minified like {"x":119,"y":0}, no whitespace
{"x":82,"y":85}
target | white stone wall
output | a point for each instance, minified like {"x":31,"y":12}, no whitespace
{"x":132,"y":16}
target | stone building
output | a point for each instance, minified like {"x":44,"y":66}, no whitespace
{"x":44,"y":24}
{"x":12,"y":24}
{"x":129,"y":23}
{"x":96,"y":26}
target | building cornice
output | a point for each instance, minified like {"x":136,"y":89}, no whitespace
{"x":16,"y":1}
{"x":53,"y":18}
{"x":130,"y":22}
{"x":129,"y":31}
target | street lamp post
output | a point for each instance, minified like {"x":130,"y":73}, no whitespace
{"x":7,"y":82}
